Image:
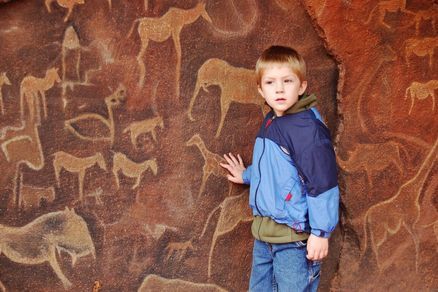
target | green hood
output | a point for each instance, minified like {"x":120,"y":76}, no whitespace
{"x":304,"y":103}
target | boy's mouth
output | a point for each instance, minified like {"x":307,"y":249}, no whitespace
{"x":280,"y":99}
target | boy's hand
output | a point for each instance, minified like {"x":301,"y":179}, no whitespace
{"x":235,"y":167}
{"x":317,"y":248}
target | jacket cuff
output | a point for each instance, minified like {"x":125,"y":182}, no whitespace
{"x":246,"y":176}
{"x":321,"y":233}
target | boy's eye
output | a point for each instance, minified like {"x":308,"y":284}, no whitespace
{"x":268,"y":82}
{"x":288,"y":80}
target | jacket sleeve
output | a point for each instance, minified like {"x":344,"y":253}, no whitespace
{"x":246,"y":175}
{"x":317,"y":166}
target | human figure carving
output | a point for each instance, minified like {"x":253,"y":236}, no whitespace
{"x":212,"y":160}
{"x":236,"y":84}
{"x":38,"y":241}
{"x":113,"y":100}
{"x":132,"y":169}
{"x":77,"y":165}
{"x":372,"y":158}
{"x":164,"y":27}
{"x":32,"y":93}
{"x":401,"y":210}
{"x":69,"y":4}
{"x":30,"y":196}
{"x":421,"y":47}
{"x":143,"y":127}
{"x":4,"y":80}
{"x":422,"y":91}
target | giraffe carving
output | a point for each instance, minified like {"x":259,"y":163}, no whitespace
{"x":420,"y":47}
{"x":401,"y":210}
{"x":211,"y":164}
{"x":73,"y":164}
{"x":69,"y":4}
{"x":421,"y":91}
{"x":142,"y":127}
{"x":132,"y":169}
{"x":164,"y":27}
{"x":32,"y":93}
{"x":113,"y":100}
{"x":4,"y":80}
{"x":236,"y":84}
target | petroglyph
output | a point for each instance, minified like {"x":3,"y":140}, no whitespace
{"x":38,"y":241}
{"x":164,"y":27}
{"x":422,"y":91}
{"x":132,"y":169}
{"x":211,"y":164}
{"x":401,"y":210}
{"x":236,"y":84}
{"x":4,"y":80}
{"x":430,"y":14}
{"x":115,"y":99}
{"x":30,"y":196}
{"x":77,"y":165}
{"x":384,"y":7}
{"x":143,"y":127}
{"x":32,"y":93}
{"x":156,"y":283}
{"x":68,"y":4}
{"x":372,"y":158}
{"x":157,"y":230}
{"x":420,"y":47}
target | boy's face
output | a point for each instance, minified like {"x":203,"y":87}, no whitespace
{"x":280,"y":87}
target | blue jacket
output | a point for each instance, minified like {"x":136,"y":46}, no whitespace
{"x":293,"y":178}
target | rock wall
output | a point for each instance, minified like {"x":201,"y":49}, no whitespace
{"x":114,"y":116}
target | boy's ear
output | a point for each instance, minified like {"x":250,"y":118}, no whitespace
{"x":303,"y":87}
{"x":260,"y":91}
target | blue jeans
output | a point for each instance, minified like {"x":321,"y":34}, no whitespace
{"x":283,"y":267}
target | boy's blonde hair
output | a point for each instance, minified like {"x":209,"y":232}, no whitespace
{"x":280,"y":55}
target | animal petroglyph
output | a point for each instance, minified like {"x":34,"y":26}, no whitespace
{"x":157,"y":283}
{"x":401,"y":210}
{"x":236,"y":84}
{"x":211,"y":164}
{"x":142,"y":127}
{"x":4,"y":80}
{"x":157,"y":230}
{"x":32,"y":93}
{"x":70,"y":48}
{"x":164,"y":27}
{"x":38,"y":241}
{"x":233,"y":211}
{"x":422,"y":91}
{"x":113,"y":100}
{"x":69,"y":4}
{"x":372,"y":158}
{"x":77,"y":165}
{"x":30,"y":196}
{"x":132,"y":169}
{"x":420,"y":47}
{"x":426,"y":15}
{"x":384,"y":7}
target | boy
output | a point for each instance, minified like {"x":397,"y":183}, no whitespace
{"x":294,"y":193}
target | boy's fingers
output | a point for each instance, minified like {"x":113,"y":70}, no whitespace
{"x":240,"y":159}
{"x":228,"y":159}
{"x":233,"y":158}
{"x":224,"y":165}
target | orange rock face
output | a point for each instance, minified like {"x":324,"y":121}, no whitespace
{"x":115,"y":114}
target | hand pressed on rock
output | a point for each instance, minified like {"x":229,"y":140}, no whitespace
{"x":235,"y":167}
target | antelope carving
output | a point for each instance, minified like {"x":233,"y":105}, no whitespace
{"x":132,"y":169}
{"x":383,"y":7}
{"x":422,"y":91}
{"x":69,"y":4}
{"x":77,"y":165}
{"x":164,"y":27}
{"x":32,"y":93}
{"x":236,"y":84}
{"x":421,"y":47}
{"x":4,"y":80}
{"x":142,"y":127}
{"x":30,"y":196}
{"x":38,"y":241}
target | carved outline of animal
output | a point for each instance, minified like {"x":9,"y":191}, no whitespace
{"x":132,"y":169}
{"x":364,"y":157}
{"x":68,"y":4}
{"x":232,"y":213}
{"x":32,"y":90}
{"x":115,"y":99}
{"x":402,"y":209}
{"x":30,"y":196}
{"x":164,"y":27}
{"x":387,"y":6}
{"x":156,"y":283}
{"x":142,"y":127}
{"x":422,"y":91}
{"x":429,"y":14}
{"x":420,"y":47}
{"x":211,"y":164}
{"x":77,"y":165}
{"x":4,"y":80}
{"x":38,"y":241}
{"x":237,"y":85}
{"x":69,"y":43}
